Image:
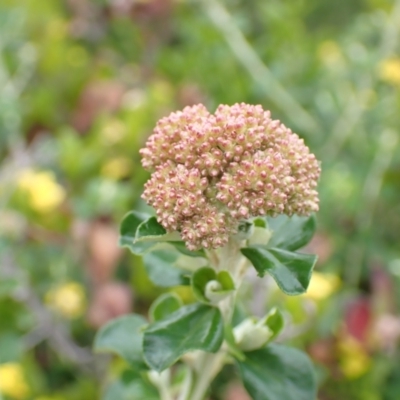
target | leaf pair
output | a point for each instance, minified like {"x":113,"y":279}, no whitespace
{"x":274,"y":372}
{"x":140,"y":233}
{"x":167,"y":260}
{"x":212,"y":287}
{"x":291,"y":270}
{"x":278,"y":372}
{"x":162,"y":343}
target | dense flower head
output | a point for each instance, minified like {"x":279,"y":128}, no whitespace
{"x":210,"y":171}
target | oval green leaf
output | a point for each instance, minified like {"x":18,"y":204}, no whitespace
{"x":150,"y":228}
{"x":137,"y":389}
{"x":161,"y":269}
{"x":141,"y":233}
{"x":165,"y":305}
{"x":128,"y":228}
{"x":181,"y":247}
{"x":200,"y":278}
{"x":278,"y":372}
{"x":291,"y":233}
{"x":193,"y":327}
{"x":275,"y":322}
{"x":226,"y":280}
{"x":290,"y":270}
{"x":122,"y":336}
{"x":210,"y":287}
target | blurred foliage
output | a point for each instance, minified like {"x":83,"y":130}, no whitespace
{"x":82,"y":84}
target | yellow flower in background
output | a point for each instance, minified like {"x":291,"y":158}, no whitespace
{"x":43,"y":191}
{"x":322,"y":285}
{"x":12,"y":381}
{"x":117,"y":168}
{"x":354,"y":361}
{"x":57,"y":28}
{"x":113,"y":131}
{"x":389,"y":71}
{"x":68,"y":299}
{"x":330,"y":53}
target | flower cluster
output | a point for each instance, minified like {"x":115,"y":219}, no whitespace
{"x":210,"y":171}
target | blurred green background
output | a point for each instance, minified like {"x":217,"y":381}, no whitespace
{"x":82,"y":84}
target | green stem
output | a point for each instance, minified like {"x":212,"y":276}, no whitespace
{"x":187,"y":385}
{"x":208,"y":365}
{"x":162,"y":382}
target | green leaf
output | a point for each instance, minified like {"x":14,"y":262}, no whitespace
{"x":128,"y":228}
{"x":291,"y":233}
{"x":136,"y":389}
{"x":200,"y":278}
{"x":151,"y":231}
{"x":226,"y":281}
{"x":149,"y":228}
{"x":161,"y":270}
{"x":165,"y":305}
{"x":208,"y":286}
{"x":193,"y":327}
{"x":260,"y":222}
{"x":181,"y":247}
{"x":140,"y":233}
{"x":122,"y":336}
{"x":274,"y":320}
{"x":278,"y":372}
{"x":232,"y":346}
{"x":221,"y":288}
{"x":291,"y":271}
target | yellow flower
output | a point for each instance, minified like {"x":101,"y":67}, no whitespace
{"x":117,"y":168}
{"x":354,"y":361}
{"x":322,"y":285}
{"x":13,"y":382}
{"x":113,"y":131}
{"x":389,"y":71}
{"x":43,"y":192}
{"x":330,"y":53}
{"x":67,"y":299}
{"x":57,"y":29}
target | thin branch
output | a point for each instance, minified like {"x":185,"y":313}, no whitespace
{"x":260,"y":73}
{"x":370,"y":194}
{"x":388,"y":142}
{"x":356,"y":105}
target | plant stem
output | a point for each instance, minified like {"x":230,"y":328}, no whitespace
{"x":208,"y":365}
{"x":187,"y":385}
{"x":162,"y":382}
